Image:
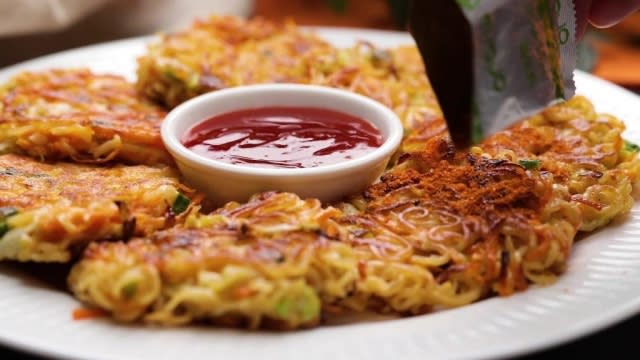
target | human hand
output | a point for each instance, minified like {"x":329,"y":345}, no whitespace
{"x":602,"y":13}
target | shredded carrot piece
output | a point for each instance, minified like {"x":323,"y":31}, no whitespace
{"x":362,"y":269}
{"x":84,"y":314}
{"x":242,"y":292}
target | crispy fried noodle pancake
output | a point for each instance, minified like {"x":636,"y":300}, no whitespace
{"x":226,"y":52}
{"x":49,"y":212}
{"x":440,"y":229}
{"x":78,"y":115}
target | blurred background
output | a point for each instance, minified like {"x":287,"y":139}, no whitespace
{"x":30,"y":28}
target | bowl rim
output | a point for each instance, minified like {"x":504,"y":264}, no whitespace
{"x":175,"y":147}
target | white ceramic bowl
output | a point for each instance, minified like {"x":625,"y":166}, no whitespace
{"x":224,"y":182}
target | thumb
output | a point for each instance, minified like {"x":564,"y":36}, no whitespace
{"x":608,"y":13}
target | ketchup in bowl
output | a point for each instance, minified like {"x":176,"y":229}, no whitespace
{"x":283,"y":137}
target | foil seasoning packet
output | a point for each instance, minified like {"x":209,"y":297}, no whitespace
{"x":525,"y":55}
{"x":492,"y":63}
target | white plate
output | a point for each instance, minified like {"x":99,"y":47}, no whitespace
{"x":600,"y":288}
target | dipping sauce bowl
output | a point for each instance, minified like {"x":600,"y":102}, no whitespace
{"x":224,"y":181}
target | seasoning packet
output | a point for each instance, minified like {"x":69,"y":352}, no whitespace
{"x":524,"y":60}
{"x":522,"y":57}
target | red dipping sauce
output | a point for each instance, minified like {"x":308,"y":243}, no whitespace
{"x":283,"y":137}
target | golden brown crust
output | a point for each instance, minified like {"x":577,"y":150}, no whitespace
{"x":221,"y":53}
{"x":466,"y":185}
{"x":259,"y":264}
{"x":459,"y":207}
{"x":74,"y":114}
{"x":62,"y":207}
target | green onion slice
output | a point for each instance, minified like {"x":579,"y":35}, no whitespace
{"x":181,"y":204}
{"x":530,"y":164}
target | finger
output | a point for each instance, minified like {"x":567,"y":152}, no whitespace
{"x":606,"y":13}
{"x":582,"y":16}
